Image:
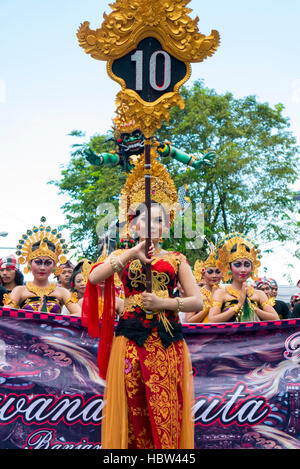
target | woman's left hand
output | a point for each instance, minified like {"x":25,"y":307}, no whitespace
{"x":151,"y":301}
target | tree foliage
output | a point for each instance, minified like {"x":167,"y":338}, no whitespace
{"x":249,"y":189}
{"x":87,"y":187}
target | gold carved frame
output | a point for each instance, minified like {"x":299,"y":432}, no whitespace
{"x":130,"y":22}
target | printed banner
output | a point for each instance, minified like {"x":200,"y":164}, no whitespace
{"x":246,"y":380}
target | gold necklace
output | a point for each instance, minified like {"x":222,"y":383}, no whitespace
{"x":236,"y":293}
{"x":206,"y":293}
{"x":40,"y":291}
{"x":157,"y":251}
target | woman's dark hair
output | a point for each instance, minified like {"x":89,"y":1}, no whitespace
{"x":50,"y":245}
{"x":72,"y":280}
{"x":77,"y":270}
{"x":296,"y":311}
{"x":234,"y":248}
{"x":19,"y":278}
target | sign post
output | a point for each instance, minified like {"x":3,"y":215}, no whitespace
{"x":148,"y":46}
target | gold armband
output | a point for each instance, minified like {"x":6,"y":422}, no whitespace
{"x":116,"y":264}
{"x":73,"y":299}
{"x":8,"y":302}
{"x":269,"y":302}
{"x":192,"y":159}
{"x":217,"y":303}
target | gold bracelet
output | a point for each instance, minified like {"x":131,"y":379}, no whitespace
{"x":180,"y":304}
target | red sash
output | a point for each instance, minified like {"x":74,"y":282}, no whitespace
{"x":91,"y":318}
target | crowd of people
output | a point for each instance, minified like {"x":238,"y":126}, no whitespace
{"x":209,"y":280}
{"x":142,"y":356}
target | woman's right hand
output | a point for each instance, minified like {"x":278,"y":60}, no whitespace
{"x":138,"y":252}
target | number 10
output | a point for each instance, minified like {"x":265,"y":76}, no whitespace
{"x":139,"y":59}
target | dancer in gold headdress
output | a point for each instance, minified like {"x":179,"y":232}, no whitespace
{"x":81,"y":275}
{"x":43,"y":251}
{"x":208,"y":276}
{"x":238,"y":259}
{"x":149,"y":389}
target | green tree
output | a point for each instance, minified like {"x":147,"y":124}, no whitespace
{"x":87,"y":187}
{"x":247,"y":190}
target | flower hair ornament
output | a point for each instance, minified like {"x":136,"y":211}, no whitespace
{"x":237,"y":246}
{"x":48,"y":243}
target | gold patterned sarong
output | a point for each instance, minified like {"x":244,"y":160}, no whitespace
{"x":148,"y":396}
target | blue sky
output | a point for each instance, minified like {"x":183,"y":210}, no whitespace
{"x":49,"y":86}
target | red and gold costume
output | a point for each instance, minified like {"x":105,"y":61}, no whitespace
{"x":149,"y":384}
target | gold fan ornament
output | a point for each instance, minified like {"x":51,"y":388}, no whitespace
{"x":201,"y":266}
{"x":42,"y":235}
{"x":244,"y":248}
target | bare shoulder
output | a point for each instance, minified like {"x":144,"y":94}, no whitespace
{"x":219,"y":294}
{"x":260,"y":295}
{"x":61,"y":292}
{"x":18,"y":293}
{"x":19,"y":290}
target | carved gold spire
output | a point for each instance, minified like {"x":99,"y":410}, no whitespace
{"x":129,"y":23}
{"x":132,"y":21}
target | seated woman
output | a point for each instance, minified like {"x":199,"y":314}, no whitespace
{"x":42,"y":249}
{"x":238,"y":259}
{"x":208,"y":275}
{"x":79,"y":280}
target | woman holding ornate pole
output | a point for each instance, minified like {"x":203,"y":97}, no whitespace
{"x":148,"y":380}
{"x":238,"y":259}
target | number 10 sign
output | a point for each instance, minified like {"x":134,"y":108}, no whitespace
{"x":148,"y":46}
{"x":149,"y":70}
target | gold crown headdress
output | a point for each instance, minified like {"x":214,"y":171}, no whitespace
{"x":42,"y":235}
{"x":201,"y":266}
{"x":163,"y":190}
{"x":245,"y":248}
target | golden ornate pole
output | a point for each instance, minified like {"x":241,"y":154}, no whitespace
{"x":147,"y":175}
